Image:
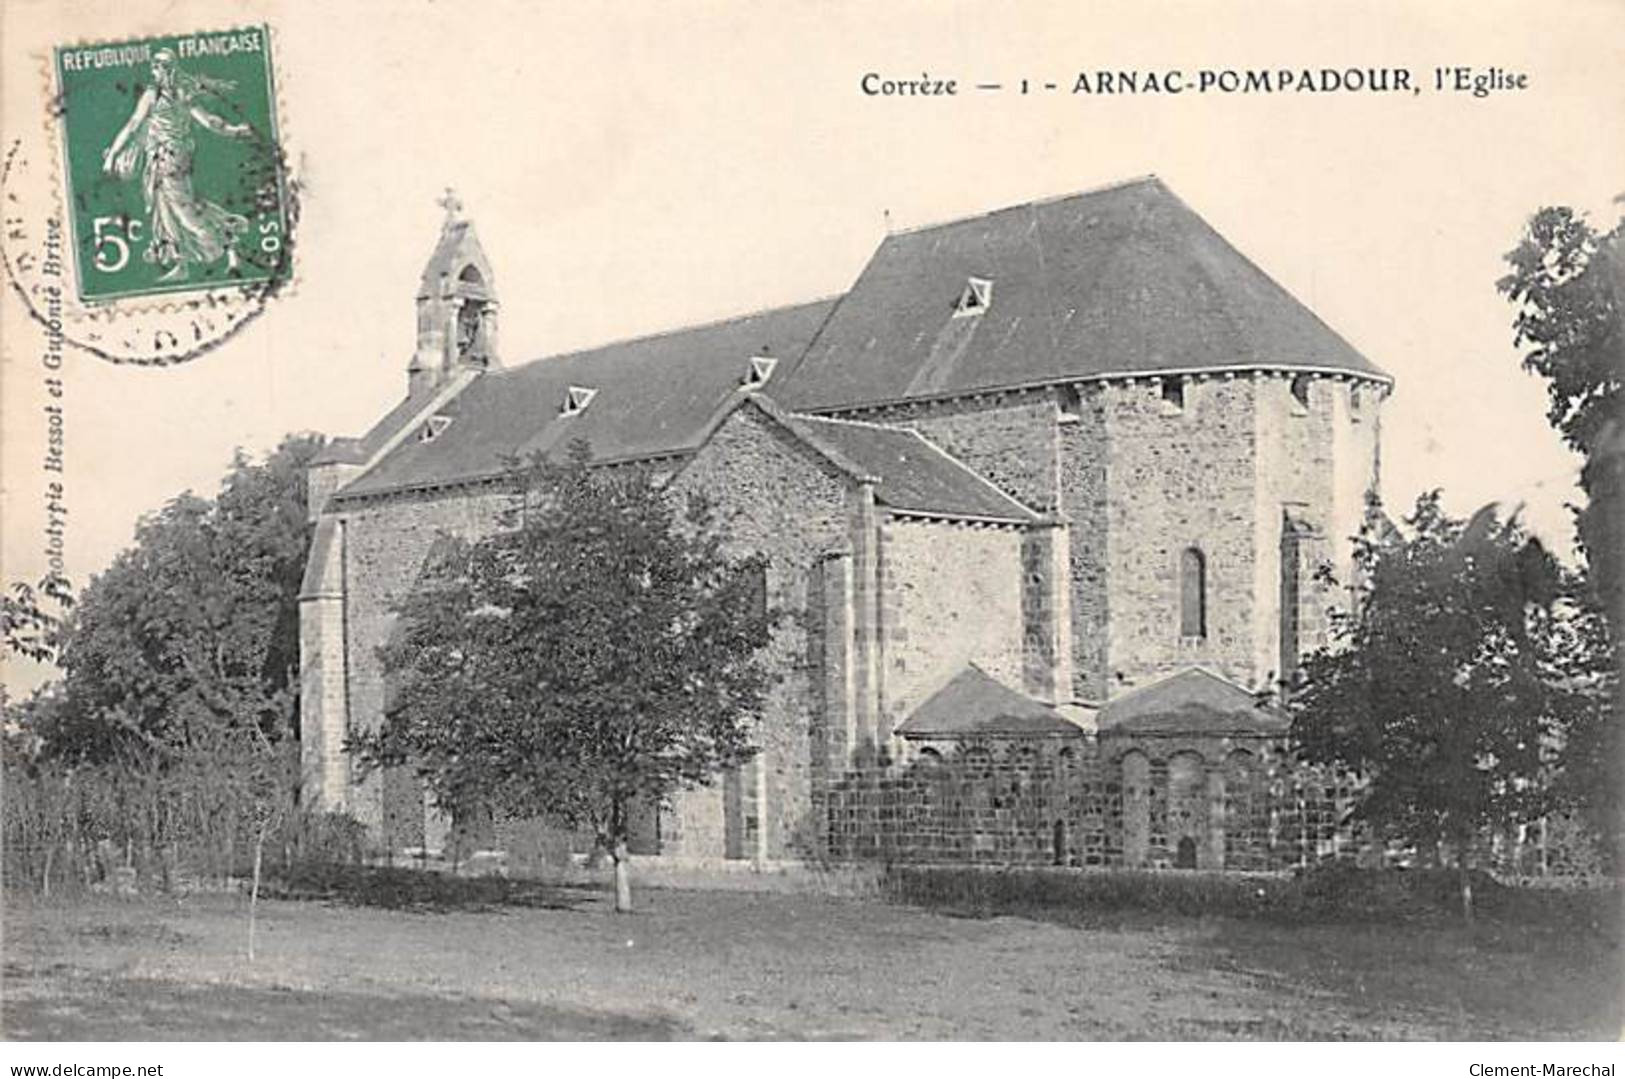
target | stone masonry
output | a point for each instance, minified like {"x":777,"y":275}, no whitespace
{"x":1048,"y":498}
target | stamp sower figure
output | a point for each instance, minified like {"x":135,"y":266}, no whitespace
{"x":157,"y":140}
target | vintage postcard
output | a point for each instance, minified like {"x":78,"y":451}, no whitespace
{"x":824,"y":522}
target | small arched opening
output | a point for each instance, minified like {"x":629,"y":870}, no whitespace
{"x":1192,"y":593}
{"x":1185,"y":853}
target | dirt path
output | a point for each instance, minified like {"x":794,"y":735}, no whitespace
{"x":691,"y":964}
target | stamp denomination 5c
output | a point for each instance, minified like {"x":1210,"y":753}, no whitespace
{"x":171,"y":162}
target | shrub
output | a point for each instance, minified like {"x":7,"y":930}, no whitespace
{"x":187,"y":824}
{"x":1085,"y":895}
{"x":1333,"y":891}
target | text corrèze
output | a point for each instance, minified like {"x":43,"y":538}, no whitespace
{"x":1173,"y":81}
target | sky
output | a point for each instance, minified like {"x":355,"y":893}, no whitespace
{"x":639,"y":167}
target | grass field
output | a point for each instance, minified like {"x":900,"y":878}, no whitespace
{"x":556,"y":963}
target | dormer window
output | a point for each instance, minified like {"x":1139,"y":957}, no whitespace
{"x":434,"y":428}
{"x":976,"y":298}
{"x":761,"y":369}
{"x":1173,"y":394}
{"x":576,"y":400}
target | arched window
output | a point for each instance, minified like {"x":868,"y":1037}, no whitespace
{"x":1192,"y":593}
{"x":758,"y":592}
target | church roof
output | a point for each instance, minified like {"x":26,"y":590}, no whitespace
{"x":973,"y":704}
{"x":1122,"y":280}
{"x":654,"y":396}
{"x":1194,"y":701}
{"x":357,"y":451}
{"x":910,"y":473}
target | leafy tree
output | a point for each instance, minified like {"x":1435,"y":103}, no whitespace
{"x":1567,"y":281}
{"x":173,"y":725}
{"x":190,"y":637}
{"x":596,"y":655}
{"x":29,"y":627}
{"x":1452,"y":685}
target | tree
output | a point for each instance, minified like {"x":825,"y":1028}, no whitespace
{"x":191,"y":634}
{"x":1453,"y":684}
{"x":29,"y":627}
{"x":596,"y":655}
{"x":1568,"y":284}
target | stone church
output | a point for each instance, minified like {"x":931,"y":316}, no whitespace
{"x":1048,"y":490}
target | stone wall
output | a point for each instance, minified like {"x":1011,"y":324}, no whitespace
{"x":386,"y":543}
{"x":771,"y":495}
{"x":950,"y":595}
{"x":1178,"y":478}
{"x":979,"y":803}
{"x":1046,"y":613}
{"x":1137,"y":478}
{"x":323,"y":679}
{"x":1083,"y":505}
{"x":1119,"y":802}
{"x":1046,"y":447}
{"x":1317,"y":460}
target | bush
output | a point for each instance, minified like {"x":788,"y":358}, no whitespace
{"x":1085,"y":895}
{"x":1333,"y":891}
{"x":416,"y":890}
{"x":190,"y":823}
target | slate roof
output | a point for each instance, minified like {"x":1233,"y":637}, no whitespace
{"x":656,"y":395}
{"x":1194,"y":701}
{"x":358,"y":451}
{"x":1120,"y":280}
{"x":973,"y":703}
{"x":912,"y":474}
{"x":1116,"y":281}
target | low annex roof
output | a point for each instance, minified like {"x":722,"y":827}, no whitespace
{"x":912,"y":474}
{"x":1119,"y":280}
{"x":357,"y":451}
{"x":654,"y":396}
{"x":1194,"y":701}
{"x":973,"y":703}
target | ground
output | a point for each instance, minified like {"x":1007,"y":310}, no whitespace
{"x":739,"y":964}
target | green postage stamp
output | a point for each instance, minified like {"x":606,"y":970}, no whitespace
{"x":173,"y":169}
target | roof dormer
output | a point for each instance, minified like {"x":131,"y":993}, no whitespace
{"x":976,"y":297}
{"x":761,"y":369}
{"x":576,"y":400}
{"x":433,"y":428}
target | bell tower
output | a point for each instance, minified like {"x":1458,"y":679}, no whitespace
{"x":456,"y":305}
